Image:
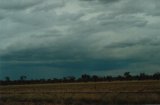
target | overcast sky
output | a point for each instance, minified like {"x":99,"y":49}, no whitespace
{"x":56,"y":38}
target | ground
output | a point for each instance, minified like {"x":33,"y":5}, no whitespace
{"x":90,"y":93}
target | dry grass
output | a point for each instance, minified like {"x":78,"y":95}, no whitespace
{"x":126,"y":92}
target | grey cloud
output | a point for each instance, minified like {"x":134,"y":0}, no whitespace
{"x":1,"y":17}
{"x":49,"y":5}
{"x":17,"y":4}
{"x":103,"y":1}
{"x":108,"y":1}
{"x":132,"y":43}
{"x":124,"y":21}
{"x":139,"y":7}
{"x":48,"y":33}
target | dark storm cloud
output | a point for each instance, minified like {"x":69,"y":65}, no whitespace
{"x":79,"y":36}
{"x":84,"y":64}
{"x":42,"y":60}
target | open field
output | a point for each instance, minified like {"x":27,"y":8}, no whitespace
{"x":100,"y":93}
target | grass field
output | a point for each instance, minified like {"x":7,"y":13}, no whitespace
{"x":100,"y":93}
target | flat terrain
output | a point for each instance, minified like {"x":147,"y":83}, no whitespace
{"x":99,"y":93}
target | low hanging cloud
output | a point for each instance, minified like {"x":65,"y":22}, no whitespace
{"x":78,"y":36}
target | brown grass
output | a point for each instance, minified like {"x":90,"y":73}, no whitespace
{"x":120,"y":92}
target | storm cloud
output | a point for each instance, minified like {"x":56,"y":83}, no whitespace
{"x":56,"y":38}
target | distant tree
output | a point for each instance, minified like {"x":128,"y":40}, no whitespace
{"x":135,"y":77}
{"x":42,"y":80}
{"x":85,"y":77}
{"x":49,"y":80}
{"x":156,"y":76}
{"x":127,"y":75}
{"x":55,"y":80}
{"x":64,"y":79}
{"x":69,"y":79}
{"x":72,"y":78}
{"x":109,"y":78}
{"x":23,"y":77}
{"x":95,"y":78}
{"x":7,"y":78}
{"x":143,"y":76}
{"x":119,"y":77}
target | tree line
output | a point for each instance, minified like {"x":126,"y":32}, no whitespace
{"x":84,"y":78}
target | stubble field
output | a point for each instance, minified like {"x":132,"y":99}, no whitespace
{"x":91,"y":93}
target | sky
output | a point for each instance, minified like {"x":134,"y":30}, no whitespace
{"x":57,"y":38}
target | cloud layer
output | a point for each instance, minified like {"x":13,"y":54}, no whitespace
{"x":58,"y":38}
